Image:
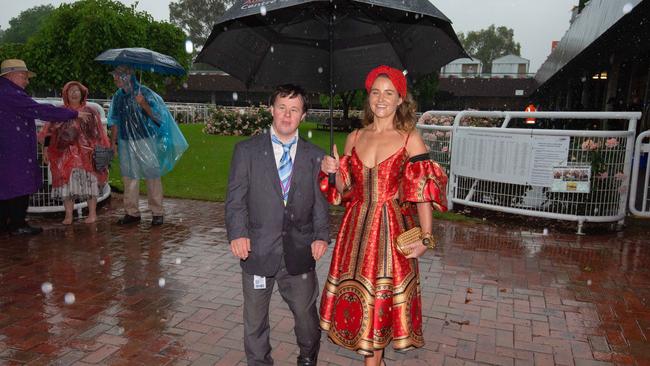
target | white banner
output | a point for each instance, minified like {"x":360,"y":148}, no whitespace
{"x":509,"y":158}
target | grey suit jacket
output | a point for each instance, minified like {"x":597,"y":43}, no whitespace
{"x":255,"y":208}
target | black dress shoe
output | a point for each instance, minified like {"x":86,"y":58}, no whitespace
{"x":306,"y":361}
{"x":128,"y":219}
{"x":157,"y":221}
{"x":27,"y":230}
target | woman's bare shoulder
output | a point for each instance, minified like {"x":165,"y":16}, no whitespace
{"x":415,"y":145}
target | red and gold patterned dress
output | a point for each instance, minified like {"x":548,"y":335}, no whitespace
{"x":372,"y":293}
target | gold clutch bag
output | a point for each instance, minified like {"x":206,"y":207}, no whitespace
{"x":406,"y":238}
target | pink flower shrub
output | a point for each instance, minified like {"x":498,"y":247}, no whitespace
{"x":611,"y":143}
{"x":590,"y":145}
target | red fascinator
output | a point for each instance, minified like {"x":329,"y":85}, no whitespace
{"x":396,"y":76}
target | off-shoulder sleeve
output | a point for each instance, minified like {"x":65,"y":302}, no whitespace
{"x":424,"y":181}
{"x":332,"y":195}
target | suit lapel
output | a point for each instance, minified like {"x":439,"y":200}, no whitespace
{"x":270,"y":166}
{"x":300,"y":168}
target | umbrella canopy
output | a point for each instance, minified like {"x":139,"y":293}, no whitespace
{"x":141,"y":59}
{"x":272,"y":42}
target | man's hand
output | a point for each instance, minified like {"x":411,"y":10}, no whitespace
{"x":142,"y":102}
{"x":240,"y":247}
{"x":318,"y":248}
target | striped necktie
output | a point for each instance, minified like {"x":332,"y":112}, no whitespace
{"x":286,"y":166}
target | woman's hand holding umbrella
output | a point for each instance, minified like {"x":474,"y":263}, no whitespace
{"x":330,"y":164}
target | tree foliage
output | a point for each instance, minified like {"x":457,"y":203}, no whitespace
{"x":489,"y":44}
{"x":424,"y":90}
{"x":74,"y":34}
{"x":11,"y":50}
{"x":345,"y":101}
{"x":197,"y":17}
{"x":26,"y":24}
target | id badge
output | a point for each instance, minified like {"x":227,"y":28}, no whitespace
{"x":259,"y":282}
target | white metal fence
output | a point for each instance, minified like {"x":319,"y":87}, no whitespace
{"x":42,"y":201}
{"x":640,"y":183}
{"x":576,"y":175}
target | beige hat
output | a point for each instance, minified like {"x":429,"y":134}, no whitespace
{"x":12,"y":65}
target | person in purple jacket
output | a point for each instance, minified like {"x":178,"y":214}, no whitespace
{"x":20,"y":173}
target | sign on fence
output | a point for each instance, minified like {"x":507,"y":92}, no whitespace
{"x":503,"y":157}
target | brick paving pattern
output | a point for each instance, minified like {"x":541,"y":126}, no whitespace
{"x":171,"y":295}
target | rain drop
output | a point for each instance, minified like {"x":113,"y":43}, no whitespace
{"x":29,"y":160}
{"x":46,"y":287}
{"x":152,"y":69}
{"x":309,"y":134}
{"x":272,"y":49}
{"x":263,"y":10}
{"x":178,"y":261}
{"x":189,"y":46}
{"x":161,"y":282}
{"x":545,"y":231}
{"x":320,"y":70}
{"x":184,"y":85}
{"x":69,"y":298}
{"x":17,"y":128}
{"x":102,"y":262}
{"x":235,"y":96}
{"x":588,"y":282}
{"x":627,"y":8}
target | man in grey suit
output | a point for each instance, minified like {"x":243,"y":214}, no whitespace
{"x":278,"y":225}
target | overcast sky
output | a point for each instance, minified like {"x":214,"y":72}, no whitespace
{"x":536,"y":23}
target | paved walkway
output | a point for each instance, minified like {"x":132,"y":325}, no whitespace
{"x":172,"y":295}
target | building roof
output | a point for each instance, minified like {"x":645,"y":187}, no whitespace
{"x":599,"y":22}
{"x":487,"y":87}
{"x":465,"y":61}
{"x":510,"y":59}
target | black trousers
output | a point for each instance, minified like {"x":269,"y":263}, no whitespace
{"x":300,"y":293}
{"x":13,"y":212}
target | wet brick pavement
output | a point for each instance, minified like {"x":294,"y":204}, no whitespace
{"x":172,"y":295}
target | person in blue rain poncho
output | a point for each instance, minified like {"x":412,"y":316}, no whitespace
{"x":147,"y":140}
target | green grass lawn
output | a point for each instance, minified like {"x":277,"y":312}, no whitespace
{"x":202,"y":172}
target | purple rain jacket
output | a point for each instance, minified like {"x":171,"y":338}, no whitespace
{"x":20,"y":172}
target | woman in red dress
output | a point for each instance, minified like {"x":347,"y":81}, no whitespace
{"x":372,"y":294}
{"x":69,"y":152}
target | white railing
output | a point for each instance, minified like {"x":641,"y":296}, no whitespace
{"x":504,"y":169}
{"x":640,"y":189}
{"x":42,"y":201}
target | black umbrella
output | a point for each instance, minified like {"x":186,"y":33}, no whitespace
{"x":328,"y":45}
